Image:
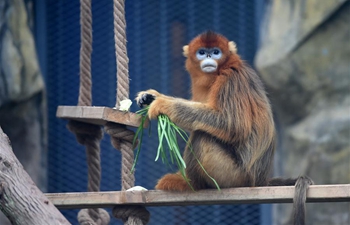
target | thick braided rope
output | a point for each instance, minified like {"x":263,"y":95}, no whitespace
{"x":121,"y":51}
{"x":87,"y":134}
{"x":90,"y":136}
{"x":122,"y":139}
{"x":85,"y":53}
{"x":84,"y":217}
{"x":132,"y":214}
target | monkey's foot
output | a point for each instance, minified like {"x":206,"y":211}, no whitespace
{"x":172,"y":182}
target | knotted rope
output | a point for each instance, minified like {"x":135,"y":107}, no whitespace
{"x":85,"y":53}
{"x":132,"y":214}
{"x":121,"y":51}
{"x":84,"y":217}
{"x":122,"y":139}
{"x":88,"y":135}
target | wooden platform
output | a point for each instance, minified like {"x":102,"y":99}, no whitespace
{"x":257,"y":195}
{"x":99,"y":115}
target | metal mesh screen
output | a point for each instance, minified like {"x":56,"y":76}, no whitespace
{"x":156,"y":31}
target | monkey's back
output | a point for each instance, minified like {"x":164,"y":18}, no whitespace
{"x":245,"y":157}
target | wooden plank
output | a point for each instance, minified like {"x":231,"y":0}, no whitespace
{"x":99,"y":115}
{"x":255,"y":195}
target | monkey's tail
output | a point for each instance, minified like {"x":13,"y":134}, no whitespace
{"x":301,"y":183}
{"x":299,"y":200}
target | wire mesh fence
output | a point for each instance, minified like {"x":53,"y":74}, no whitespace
{"x":156,"y":32}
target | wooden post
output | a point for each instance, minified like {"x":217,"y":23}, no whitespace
{"x":20,"y":199}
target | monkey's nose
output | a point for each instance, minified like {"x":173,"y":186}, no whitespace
{"x":208,"y":56}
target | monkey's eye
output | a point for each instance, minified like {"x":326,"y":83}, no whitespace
{"x":216,"y":53}
{"x":201,"y":52}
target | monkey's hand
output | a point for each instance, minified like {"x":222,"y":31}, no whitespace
{"x":146,"y":97}
{"x":159,"y":104}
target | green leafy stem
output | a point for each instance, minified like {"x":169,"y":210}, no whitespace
{"x":167,"y":133}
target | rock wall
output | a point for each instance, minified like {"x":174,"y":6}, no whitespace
{"x":20,"y":77}
{"x":304,"y":60}
{"x":22,"y":96}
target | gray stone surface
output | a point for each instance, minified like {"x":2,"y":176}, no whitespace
{"x":304,"y":60}
{"x":22,"y":96}
{"x":20,"y":77}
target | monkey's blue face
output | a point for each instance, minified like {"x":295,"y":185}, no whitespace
{"x":208,"y":59}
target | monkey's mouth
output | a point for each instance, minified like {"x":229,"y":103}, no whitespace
{"x":208,"y":68}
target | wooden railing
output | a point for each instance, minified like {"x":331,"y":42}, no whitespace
{"x":255,"y":195}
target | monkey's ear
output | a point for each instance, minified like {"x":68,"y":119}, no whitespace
{"x":185,"y":50}
{"x":232,"y":47}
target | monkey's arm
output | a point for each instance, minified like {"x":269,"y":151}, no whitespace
{"x":189,"y":115}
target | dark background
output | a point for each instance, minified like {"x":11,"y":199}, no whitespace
{"x":156,"y":32}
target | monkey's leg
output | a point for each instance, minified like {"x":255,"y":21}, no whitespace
{"x":172,"y":182}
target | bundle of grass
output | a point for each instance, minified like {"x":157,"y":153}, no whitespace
{"x":167,"y":134}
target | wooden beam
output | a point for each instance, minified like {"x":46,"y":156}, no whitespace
{"x":99,"y":115}
{"x":20,"y":200}
{"x":255,"y":195}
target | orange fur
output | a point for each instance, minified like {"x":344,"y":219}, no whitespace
{"x":173,"y":182}
{"x":229,"y":117}
{"x":230,"y":120}
{"x":231,"y":108}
